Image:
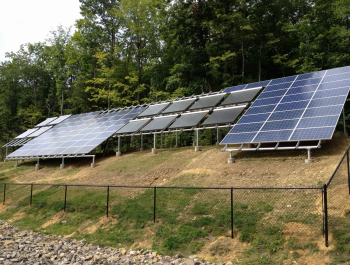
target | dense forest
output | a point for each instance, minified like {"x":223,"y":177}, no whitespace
{"x":127,"y":52}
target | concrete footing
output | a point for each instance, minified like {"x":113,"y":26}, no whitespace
{"x":308,"y":161}
{"x":196,"y":148}
{"x":154,"y":151}
{"x":118,"y":153}
{"x":16,"y":165}
{"x":230,"y":160}
{"x":62,"y":166}
{"x":93,"y":165}
{"x":37,"y":166}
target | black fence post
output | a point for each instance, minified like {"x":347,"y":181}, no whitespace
{"x":65,"y":198}
{"x":347,"y":160}
{"x":154,"y":203}
{"x":31,"y":194}
{"x":107,"y":199}
{"x":325,"y":214}
{"x":4,"y":194}
{"x":231,"y":212}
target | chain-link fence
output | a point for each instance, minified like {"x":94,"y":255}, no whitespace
{"x":191,"y":211}
{"x":336,"y":198}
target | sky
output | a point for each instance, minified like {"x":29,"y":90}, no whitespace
{"x":30,"y":21}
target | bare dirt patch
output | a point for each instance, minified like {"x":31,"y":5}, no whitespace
{"x":102,"y":223}
{"x":55,"y":219}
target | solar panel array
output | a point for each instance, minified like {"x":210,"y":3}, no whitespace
{"x":295,"y":108}
{"x":134,"y":126}
{"x":46,"y":122}
{"x":241,"y":96}
{"x":78,"y":134}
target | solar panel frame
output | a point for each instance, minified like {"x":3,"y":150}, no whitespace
{"x":179,"y":106}
{"x":26,"y":133}
{"x":207,"y":101}
{"x":154,"y":109}
{"x":159,"y":123}
{"x":224,"y":115}
{"x":59,"y":120}
{"x":45,"y":122}
{"x":241,"y":96}
{"x":133,"y":126}
{"x":190,"y":119}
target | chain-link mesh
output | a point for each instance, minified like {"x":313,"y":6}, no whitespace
{"x":338,"y":192}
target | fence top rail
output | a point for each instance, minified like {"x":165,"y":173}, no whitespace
{"x":336,"y":169}
{"x":166,"y":187}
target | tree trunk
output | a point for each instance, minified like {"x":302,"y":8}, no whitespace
{"x":242,"y":48}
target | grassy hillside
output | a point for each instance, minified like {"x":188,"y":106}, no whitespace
{"x":269,"y":226}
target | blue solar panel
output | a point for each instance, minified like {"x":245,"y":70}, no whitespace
{"x":275,"y":136}
{"x":279,"y":125}
{"x":273,"y":94}
{"x":286,"y":115}
{"x":253,"y":118}
{"x":278,"y":87}
{"x":79,"y":134}
{"x":235,"y":88}
{"x":238,"y":138}
{"x":312,"y":134}
{"x":297,"y":97}
{"x":257,"y":84}
{"x":295,"y":108}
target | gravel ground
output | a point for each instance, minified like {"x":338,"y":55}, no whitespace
{"x":27,"y":247}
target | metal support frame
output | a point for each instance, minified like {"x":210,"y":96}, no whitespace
{"x":230,"y":159}
{"x":62,"y":165}
{"x":176,"y":145}
{"x":154,"y":149}
{"x":345,"y":133}
{"x":196,"y":148}
{"x":93,"y":162}
{"x":119,"y":153}
{"x":141,"y":147}
{"x":325,"y":214}
{"x":16,"y":164}
{"x":37,"y":165}
{"x":308,"y":160}
{"x":6,"y":150}
{"x":217,"y":135}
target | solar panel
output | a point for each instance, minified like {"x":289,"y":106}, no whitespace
{"x":224,"y":115}
{"x":133,"y":126}
{"x":40,"y":131}
{"x":241,"y":96}
{"x":78,"y":134}
{"x":159,"y":123}
{"x":154,"y":109}
{"x":45,"y":122}
{"x":190,"y":119}
{"x":180,"y":105}
{"x":26,"y":133}
{"x":207,"y":101}
{"x":246,"y":86}
{"x":59,"y":119}
{"x":295,"y":108}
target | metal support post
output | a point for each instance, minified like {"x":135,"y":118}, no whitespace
{"x":37,"y":165}
{"x":230,"y":159}
{"x":325,"y":212}
{"x":107,"y":200}
{"x":344,"y":134}
{"x":65,"y":198}
{"x":217,"y":135}
{"x":308,"y":160}
{"x":119,"y":153}
{"x":7,"y":150}
{"x":154,"y":149}
{"x":347,"y":161}
{"x":154,"y":203}
{"x":231,"y":212}
{"x":196,"y":148}
{"x":31,"y":194}
{"x":93,"y":162}
{"x":62,"y":165}
{"x":141,"y":148}
{"x":176,"y":145}
{"x":3,"y":202}
{"x":16,"y":164}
